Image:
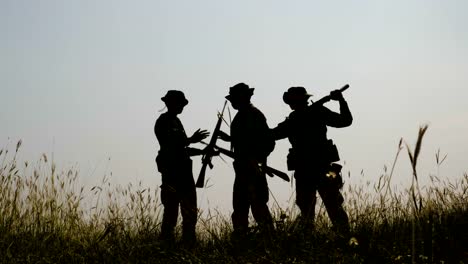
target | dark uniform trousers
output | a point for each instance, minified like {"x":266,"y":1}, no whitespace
{"x":250,"y":191}
{"x":179,"y":190}
{"x":308,"y":183}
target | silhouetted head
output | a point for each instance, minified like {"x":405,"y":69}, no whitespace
{"x":296,"y":97}
{"x":239,"y":95}
{"x":175,"y":101}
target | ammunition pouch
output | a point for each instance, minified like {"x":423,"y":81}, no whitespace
{"x":325,"y":154}
{"x":331,"y":152}
{"x":178,"y":165}
{"x":333,"y":176}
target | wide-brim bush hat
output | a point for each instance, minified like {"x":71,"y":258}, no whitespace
{"x":295,"y":94}
{"x":175,"y":96}
{"x":239,"y":90}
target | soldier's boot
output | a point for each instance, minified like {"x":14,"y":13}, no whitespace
{"x":167,"y":236}
{"x":268,"y":234}
{"x":343,"y":232}
{"x":169,"y":221}
{"x":239,"y":234}
{"x":306,"y":226}
{"x":240,"y":223}
{"x":189,"y":238}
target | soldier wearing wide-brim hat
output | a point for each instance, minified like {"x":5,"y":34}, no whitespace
{"x":295,"y":94}
{"x":175,"y":97}
{"x":174,"y":164}
{"x":240,"y":91}
{"x":312,"y":154}
{"x":252,"y":143}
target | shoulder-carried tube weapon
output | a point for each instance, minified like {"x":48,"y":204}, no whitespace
{"x":209,"y":151}
{"x":328,"y":97}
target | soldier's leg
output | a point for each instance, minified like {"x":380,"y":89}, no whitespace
{"x":170,"y":202}
{"x":240,"y":202}
{"x":188,"y":208}
{"x":305,"y":197}
{"x":333,"y":200}
{"x":259,"y":198}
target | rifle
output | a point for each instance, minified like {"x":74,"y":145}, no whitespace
{"x":327,"y":98}
{"x":268,"y":170}
{"x":206,"y":158}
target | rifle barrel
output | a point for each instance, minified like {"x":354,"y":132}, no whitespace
{"x":342,"y":89}
{"x":206,"y":159}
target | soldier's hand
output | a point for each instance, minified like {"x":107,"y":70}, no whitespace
{"x":199,"y":135}
{"x":210,"y":151}
{"x":336,"y":95}
{"x":265,"y":169}
{"x":224,"y":136}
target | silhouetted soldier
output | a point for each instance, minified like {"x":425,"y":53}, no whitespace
{"x":175,"y":165}
{"x":312,"y":154}
{"x":252,"y":143}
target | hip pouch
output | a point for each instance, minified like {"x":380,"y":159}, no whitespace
{"x":333,"y":176}
{"x":331,"y":151}
{"x":324,"y":154}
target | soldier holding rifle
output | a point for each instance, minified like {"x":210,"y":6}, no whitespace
{"x":175,"y":166}
{"x":312,"y":154}
{"x":252,"y":143}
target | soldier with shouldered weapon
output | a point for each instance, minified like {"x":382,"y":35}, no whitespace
{"x":312,"y":154}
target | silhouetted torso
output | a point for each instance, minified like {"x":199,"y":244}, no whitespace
{"x":249,"y":131}
{"x":306,"y":128}
{"x":174,"y":161}
{"x":171,"y":136}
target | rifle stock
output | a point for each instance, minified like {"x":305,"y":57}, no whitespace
{"x":282,"y":175}
{"x":201,"y":177}
{"x":206,"y":158}
{"x":268,"y":170}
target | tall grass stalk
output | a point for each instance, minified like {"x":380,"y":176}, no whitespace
{"x":413,"y":156}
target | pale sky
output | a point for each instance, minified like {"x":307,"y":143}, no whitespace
{"x":83,"y":79}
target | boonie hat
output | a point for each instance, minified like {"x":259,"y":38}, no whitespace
{"x":175,"y":96}
{"x":239,"y":90}
{"x":295,"y":94}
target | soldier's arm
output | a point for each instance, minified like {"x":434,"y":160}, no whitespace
{"x":342,"y":119}
{"x":223,"y":136}
{"x":194,"y":151}
{"x":280,"y":131}
{"x":198,"y":136}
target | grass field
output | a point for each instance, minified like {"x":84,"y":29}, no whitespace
{"x":45,"y":217}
